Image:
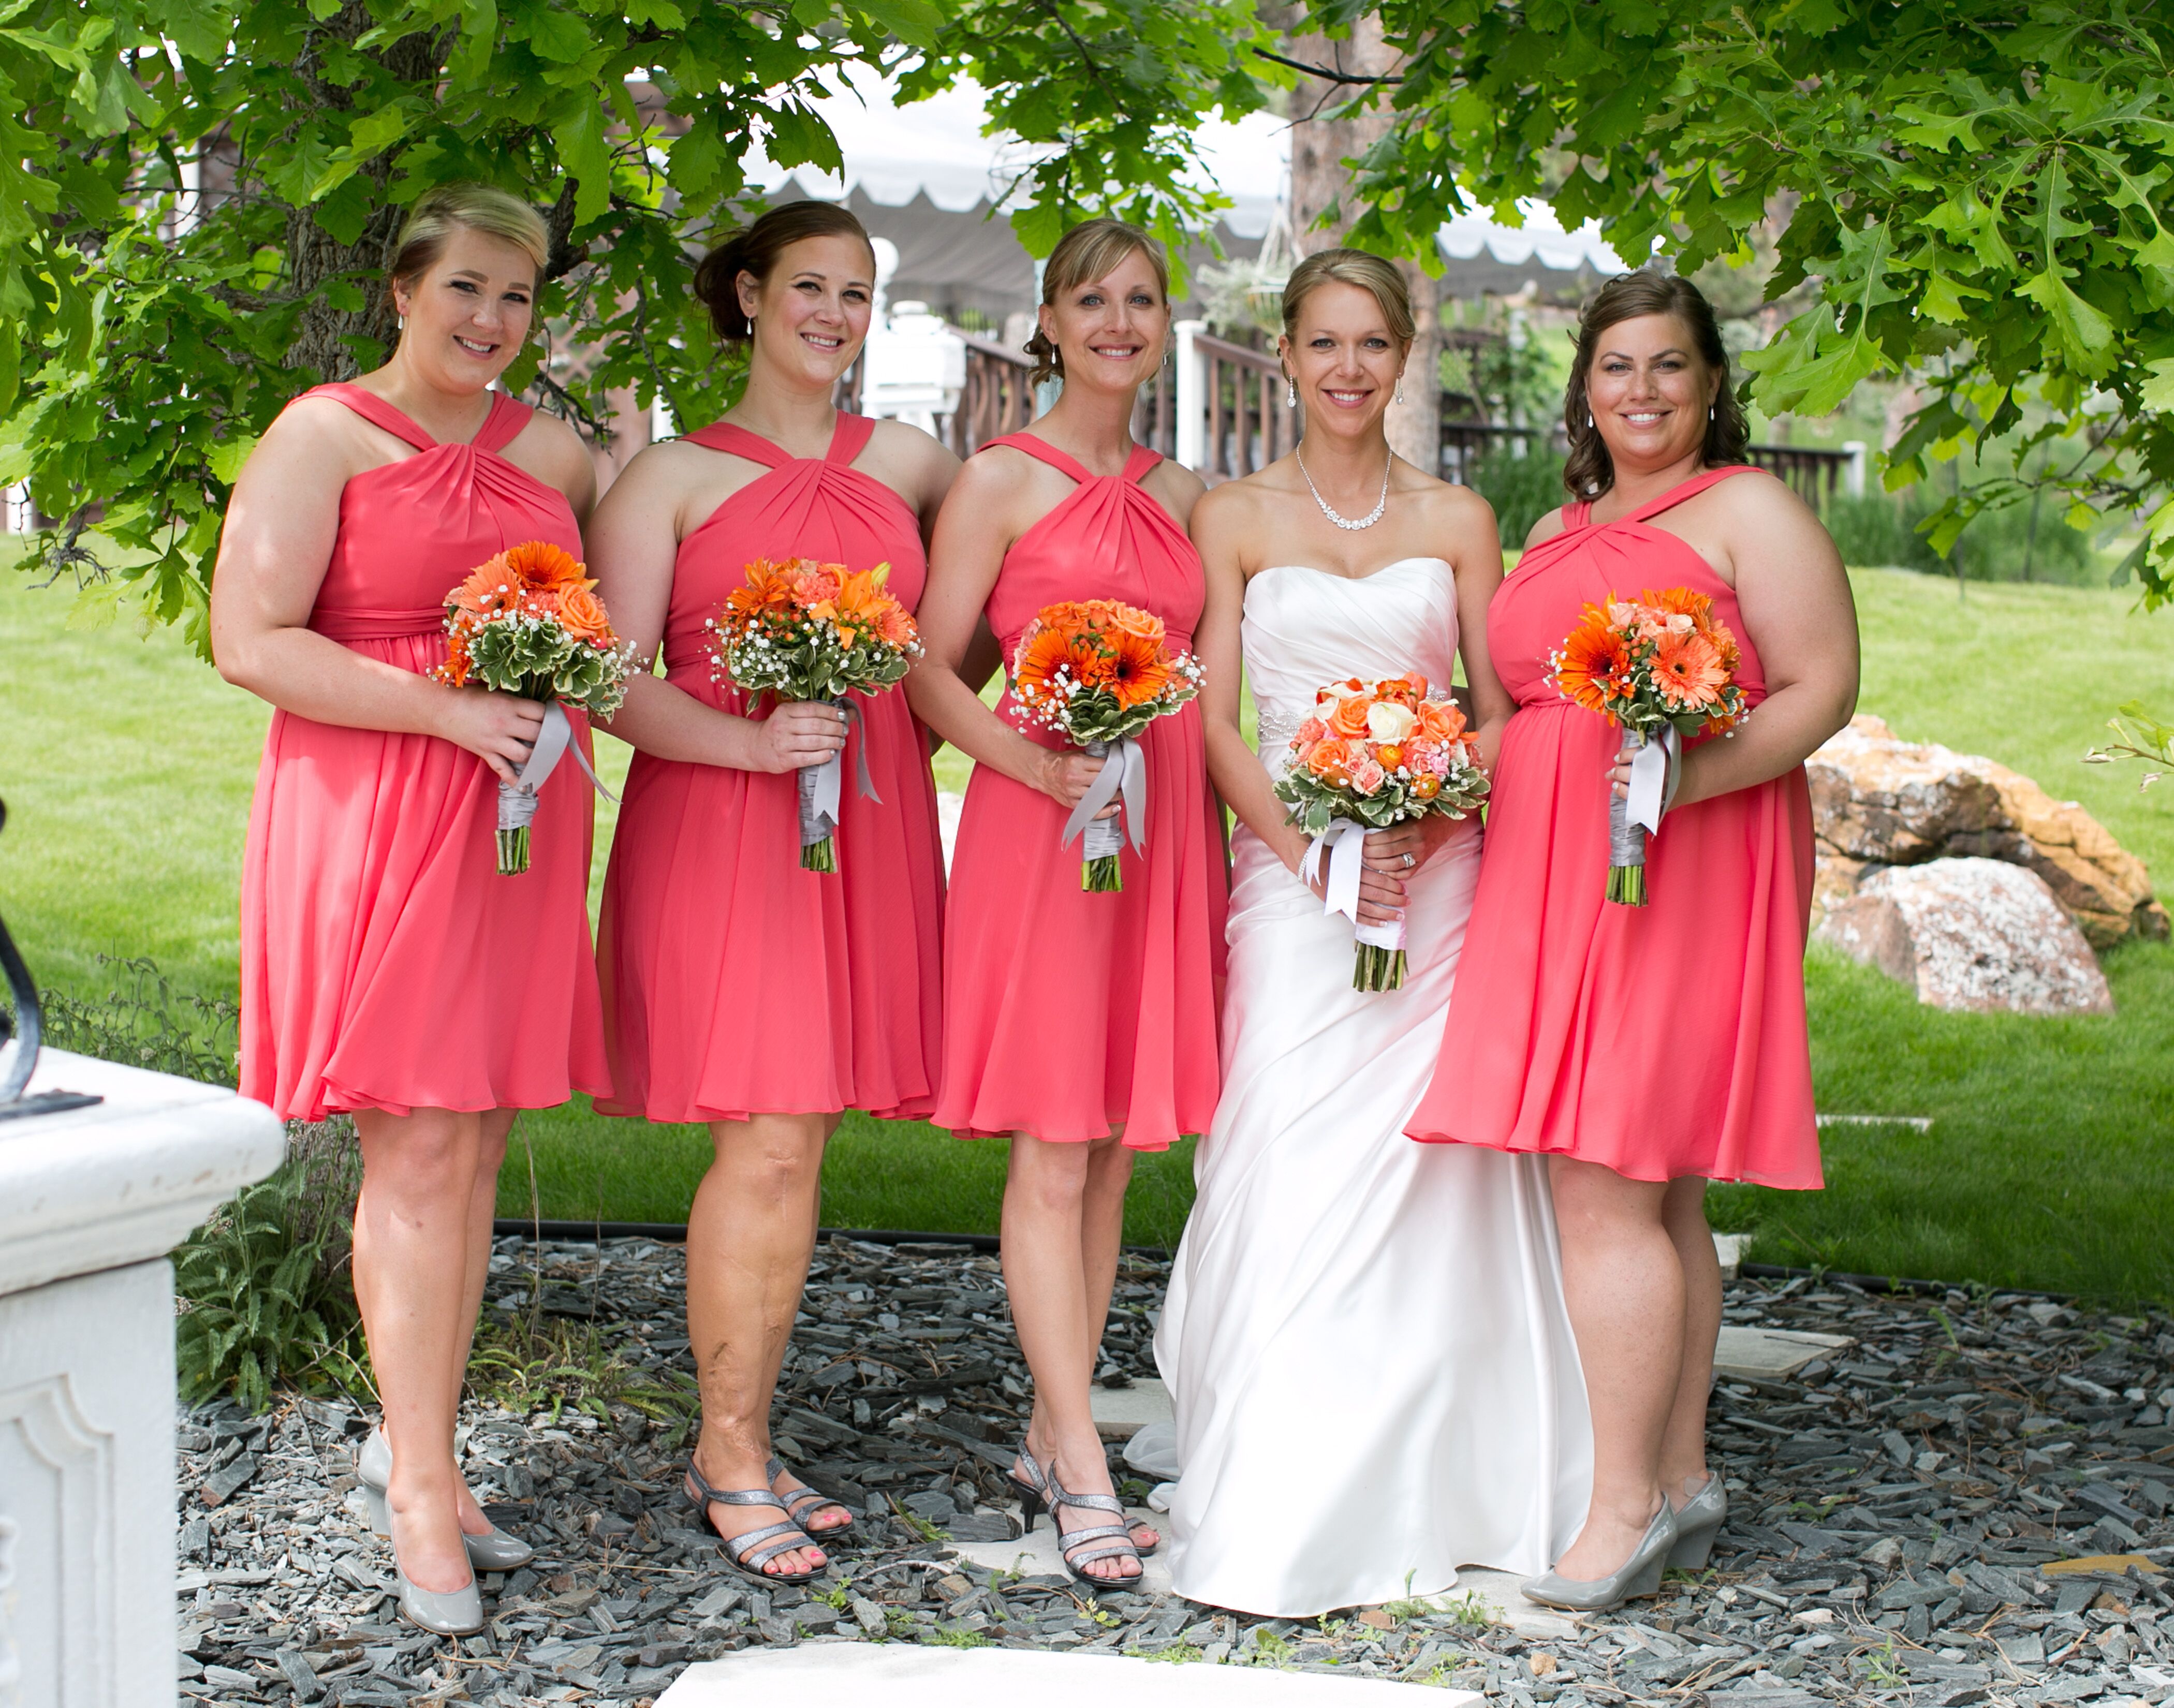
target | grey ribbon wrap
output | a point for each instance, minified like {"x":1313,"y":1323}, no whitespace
{"x":1344,"y":844}
{"x":1124,"y":774}
{"x":1654,"y":774}
{"x":517,"y":800}
{"x":822,"y":787}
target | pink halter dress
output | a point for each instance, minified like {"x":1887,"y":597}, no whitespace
{"x":1069,"y":1015}
{"x":385,"y":964}
{"x":1662,"y":1041}
{"x":736,"y":983}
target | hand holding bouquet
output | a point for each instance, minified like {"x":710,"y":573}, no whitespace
{"x":529,"y":623}
{"x":1374,"y":754}
{"x":1664,"y":668}
{"x":802,"y":630}
{"x":1098,"y":672}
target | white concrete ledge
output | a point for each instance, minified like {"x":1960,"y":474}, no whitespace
{"x":126,"y":1178}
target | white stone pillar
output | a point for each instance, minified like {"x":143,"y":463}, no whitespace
{"x":1852,"y":472}
{"x":1191,"y":397}
{"x":91,"y":1200}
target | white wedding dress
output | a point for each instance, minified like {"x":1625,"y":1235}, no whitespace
{"x":1374,"y":1377}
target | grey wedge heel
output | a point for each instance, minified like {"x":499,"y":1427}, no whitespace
{"x":494,"y":1550}
{"x":1698,"y":1522}
{"x":1638,"y":1576}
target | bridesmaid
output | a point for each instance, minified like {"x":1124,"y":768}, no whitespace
{"x":740,"y":990}
{"x":1646,"y":1051}
{"x":1083,"y":1026}
{"x":386,"y":971}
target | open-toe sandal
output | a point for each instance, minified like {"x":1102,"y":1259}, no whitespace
{"x":745,"y":1553}
{"x":798,"y":1502}
{"x":1118,"y":1538}
{"x":1033,"y":1500}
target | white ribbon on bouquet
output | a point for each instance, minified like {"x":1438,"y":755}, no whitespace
{"x":822,"y":787}
{"x":1344,"y":844}
{"x":517,"y":800}
{"x":1654,"y":774}
{"x":1124,"y":774}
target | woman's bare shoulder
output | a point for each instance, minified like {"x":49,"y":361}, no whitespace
{"x":1546,"y":528}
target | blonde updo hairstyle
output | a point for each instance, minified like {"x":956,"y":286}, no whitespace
{"x":1090,"y":250}
{"x":442,"y":210}
{"x":1379,"y":278}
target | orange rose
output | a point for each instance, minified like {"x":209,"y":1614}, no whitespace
{"x":1141,"y":625}
{"x":1408,"y":690}
{"x":1441,"y":720}
{"x":1349,"y":718}
{"x":583,"y":613}
{"x":1331,"y":760}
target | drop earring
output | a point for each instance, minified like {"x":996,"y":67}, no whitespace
{"x":1399,"y":397}
{"x":1290,"y":393}
{"x":1709,"y":412}
{"x":1589,"y":421}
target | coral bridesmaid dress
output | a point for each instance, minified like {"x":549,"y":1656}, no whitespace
{"x":385,"y":964}
{"x":735,"y":983}
{"x":1660,"y":1041}
{"x":1070,"y":1014}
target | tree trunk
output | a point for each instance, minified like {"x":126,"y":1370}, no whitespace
{"x":328,"y":341}
{"x":1320,"y":186}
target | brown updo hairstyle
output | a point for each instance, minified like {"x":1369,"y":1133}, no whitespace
{"x":1588,"y":471}
{"x":1090,"y":250}
{"x":1378,"y":277}
{"x":444,"y":208}
{"x":754,"y":252}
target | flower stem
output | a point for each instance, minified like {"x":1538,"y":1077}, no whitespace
{"x":512,"y":852}
{"x":1101,"y":876}
{"x":1626,"y":885}
{"x":819,"y":856}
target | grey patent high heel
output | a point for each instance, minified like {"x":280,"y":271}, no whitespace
{"x":1698,"y":1522}
{"x":1638,"y":1576}
{"x":494,"y":1550}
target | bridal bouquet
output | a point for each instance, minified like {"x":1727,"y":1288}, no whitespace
{"x":1098,"y":672}
{"x":802,"y":631}
{"x":529,"y":623}
{"x":1664,"y":668}
{"x":1374,"y":754}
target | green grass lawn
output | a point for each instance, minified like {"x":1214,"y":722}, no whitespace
{"x":128,"y":766}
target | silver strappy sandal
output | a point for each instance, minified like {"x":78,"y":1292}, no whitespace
{"x":1118,"y":1537}
{"x":799,"y":1500}
{"x":745,"y":1553}
{"x":1034,"y":1498}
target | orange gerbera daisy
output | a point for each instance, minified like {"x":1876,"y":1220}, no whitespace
{"x":543,"y":565}
{"x":1047,"y":652}
{"x":1139,"y":670}
{"x":1688,"y":672}
{"x":1699,"y":607}
{"x":1594,"y":665}
{"x":489,"y":588}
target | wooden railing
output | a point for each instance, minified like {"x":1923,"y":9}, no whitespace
{"x":998,"y":398}
{"x":1248,"y":423}
{"x":1815,"y":474}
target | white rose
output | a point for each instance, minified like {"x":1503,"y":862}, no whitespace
{"x":1388,"y":721}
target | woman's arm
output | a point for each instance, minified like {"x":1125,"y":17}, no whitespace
{"x":633,"y":549}
{"x":1799,"y":616}
{"x":976,"y":527}
{"x":280,"y":527}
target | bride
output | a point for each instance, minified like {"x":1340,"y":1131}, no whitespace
{"x":1365,"y":1343}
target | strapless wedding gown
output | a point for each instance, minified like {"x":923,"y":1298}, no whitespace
{"x":1374,"y":1376}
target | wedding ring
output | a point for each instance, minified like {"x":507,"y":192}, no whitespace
{"x":1410,"y":863}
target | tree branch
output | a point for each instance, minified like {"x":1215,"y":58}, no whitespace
{"x":1328,"y":73}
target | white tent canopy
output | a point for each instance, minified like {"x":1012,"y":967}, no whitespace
{"x":925,"y":176}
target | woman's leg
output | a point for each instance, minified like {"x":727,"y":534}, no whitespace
{"x":1058,"y":1220}
{"x":414,"y":1224}
{"x":1102,"y":1234}
{"x":483,"y":1208}
{"x":749,"y":1238}
{"x":1623,"y":1283}
{"x":1683,"y":1443}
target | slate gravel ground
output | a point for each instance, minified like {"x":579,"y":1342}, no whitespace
{"x":1895,"y":1508}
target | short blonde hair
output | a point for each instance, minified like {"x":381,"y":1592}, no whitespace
{"x":476,"y":208}
{"x":1091,"y":250}
{"x":1378,"y":277}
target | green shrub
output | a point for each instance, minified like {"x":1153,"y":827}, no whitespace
{"x":265,"y":1294}
{"x":1522,"y":488}
{"x":1879,"y":531}
{"x":140,"y":1023}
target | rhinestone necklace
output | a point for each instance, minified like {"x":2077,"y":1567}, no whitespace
{"x":1348,"y":524}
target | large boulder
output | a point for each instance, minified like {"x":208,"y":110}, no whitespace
{"x":1878,"y":802}
{"x":1970,"y":933}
